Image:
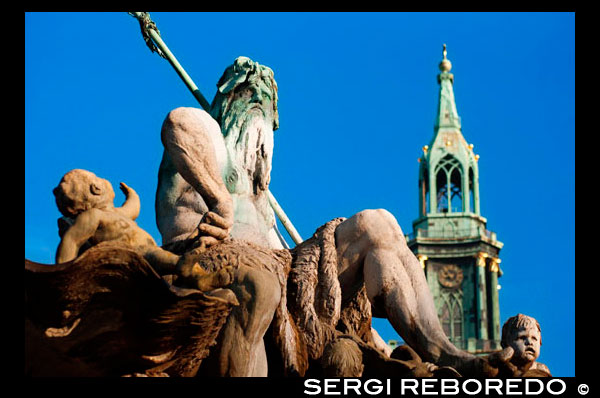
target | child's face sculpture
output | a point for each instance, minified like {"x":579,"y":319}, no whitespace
{"x":526,"y":342}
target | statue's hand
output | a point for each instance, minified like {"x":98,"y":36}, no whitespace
{"x":212,"y":229}
{"x":499,"y":363}
{"x":125,"y":189}
{"x":424,"y":369}
{"x":212,"y":224}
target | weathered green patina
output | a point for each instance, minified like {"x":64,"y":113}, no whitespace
{"x":450,"y":237}
{"x":262,"y":76}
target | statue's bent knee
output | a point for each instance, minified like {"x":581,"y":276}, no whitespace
{"x":378,"y":224}
{"x":267,"y":291}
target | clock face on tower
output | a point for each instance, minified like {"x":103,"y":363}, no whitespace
{"x":450,"y":276}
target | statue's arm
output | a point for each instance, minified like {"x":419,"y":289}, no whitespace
{"x":83,"y":229}
{"x":186,"y":138}
{"x":131,"y":207}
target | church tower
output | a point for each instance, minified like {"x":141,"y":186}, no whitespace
{"x":459,"y":255}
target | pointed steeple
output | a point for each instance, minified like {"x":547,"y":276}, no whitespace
{"x":447,"y":116}
{"x":449,"y":174}
{"x":459,"y":255}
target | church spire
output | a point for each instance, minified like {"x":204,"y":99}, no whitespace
{"x":449,"y":174}
{"x":447,"y":116}
{"x":459,"y":255}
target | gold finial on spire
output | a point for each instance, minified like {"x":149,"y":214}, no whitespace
{"x":445,"y":65}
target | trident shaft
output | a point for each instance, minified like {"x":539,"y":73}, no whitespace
{"x":153,"y":40}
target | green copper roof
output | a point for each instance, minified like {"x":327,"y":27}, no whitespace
{"x":447,"y":116}
{"x":448,"y":138}
{"x":448,"y":150}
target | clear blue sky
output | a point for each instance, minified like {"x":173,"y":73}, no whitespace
{"x":357,"y":98}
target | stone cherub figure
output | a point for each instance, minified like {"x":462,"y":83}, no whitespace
{"x":87,"y":200}
{"x":213,"y":182}
{"x":521,"y":341}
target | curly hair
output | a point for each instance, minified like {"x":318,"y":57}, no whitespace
{"x":516,"y":322}
{"x":80,"y":190}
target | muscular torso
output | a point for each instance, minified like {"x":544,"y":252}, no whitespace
{"x":179,"y":207}
{"x":254,"y":225}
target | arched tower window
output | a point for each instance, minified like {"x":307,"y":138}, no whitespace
{"x":448,"y":180}
{"x":451,"y":314}
{"x":456,"y":201}
{"x":471,"y":191}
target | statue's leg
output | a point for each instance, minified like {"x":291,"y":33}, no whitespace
{"x":380,"y":343}
{"x":241,"y":350}
{"x":371,"y":246}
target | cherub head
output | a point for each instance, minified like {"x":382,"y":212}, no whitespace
{"x":80,"y":190}
{"x":524,"y":335}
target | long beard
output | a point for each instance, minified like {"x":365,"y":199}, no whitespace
{"x":248,"y":133}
